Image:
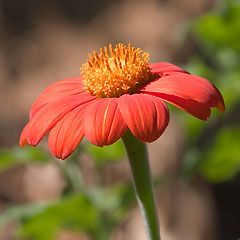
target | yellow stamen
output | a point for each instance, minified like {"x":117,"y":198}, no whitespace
{"x":116,"y":71}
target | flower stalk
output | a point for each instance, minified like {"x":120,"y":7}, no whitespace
{"x":142,"y":182}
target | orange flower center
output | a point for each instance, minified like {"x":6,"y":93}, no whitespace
{"x":116,"y":71}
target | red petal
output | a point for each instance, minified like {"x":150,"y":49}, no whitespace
{"x":48,"y":116}
{"x":23,"y":136}
{"x":165,"y":68}
{"x":199,"y":110}
{"x":220,"y":105}
{"x":103,"y":122}
{"x":66,"y":87}
{"x":67,"y":134}
{"x":146,"y":116}
{"x":179,"y":88}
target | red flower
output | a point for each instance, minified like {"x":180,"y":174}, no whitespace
{"x":118,"y":90}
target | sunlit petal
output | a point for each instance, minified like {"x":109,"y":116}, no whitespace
{"x":103,"y":122}
{"x":146,"y":116}
{"x":67,"y":133}
{"x":165,"y":68}
{"x":66,"y":87}
{"x":48,"y":116}
{"x":194,"y":94}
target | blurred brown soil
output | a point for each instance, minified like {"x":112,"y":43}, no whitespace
{"x":31,"y":183}
{"x":186,"y":212}
{"x":69,"y":235}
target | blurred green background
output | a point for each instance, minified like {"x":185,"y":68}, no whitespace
{"x":195,"y":164}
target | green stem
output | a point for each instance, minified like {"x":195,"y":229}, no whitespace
{"x":138,"y":158}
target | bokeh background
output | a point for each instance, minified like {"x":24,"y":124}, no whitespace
{"x":89,"y":197}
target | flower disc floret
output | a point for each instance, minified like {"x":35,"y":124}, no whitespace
{"x":116,"y":71}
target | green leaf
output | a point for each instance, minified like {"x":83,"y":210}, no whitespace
{"x":221,"y":29}
{"x":230,"y":87}
{"x":106,"y":154}
{"x":222,"y":162}
{"x":16,"y":155}
{"x":21,"y":211}
{"x":6,"y":159}
{"x":75,"y":212}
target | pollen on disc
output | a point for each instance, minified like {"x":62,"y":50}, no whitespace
{"x":115,"y":71}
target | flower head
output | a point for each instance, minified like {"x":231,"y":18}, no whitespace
{"x":117,"y":90}
{"x":118,"y":71}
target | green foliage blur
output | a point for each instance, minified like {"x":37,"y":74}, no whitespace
{"x":80,"y":208}
{"x":213,"y":147}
